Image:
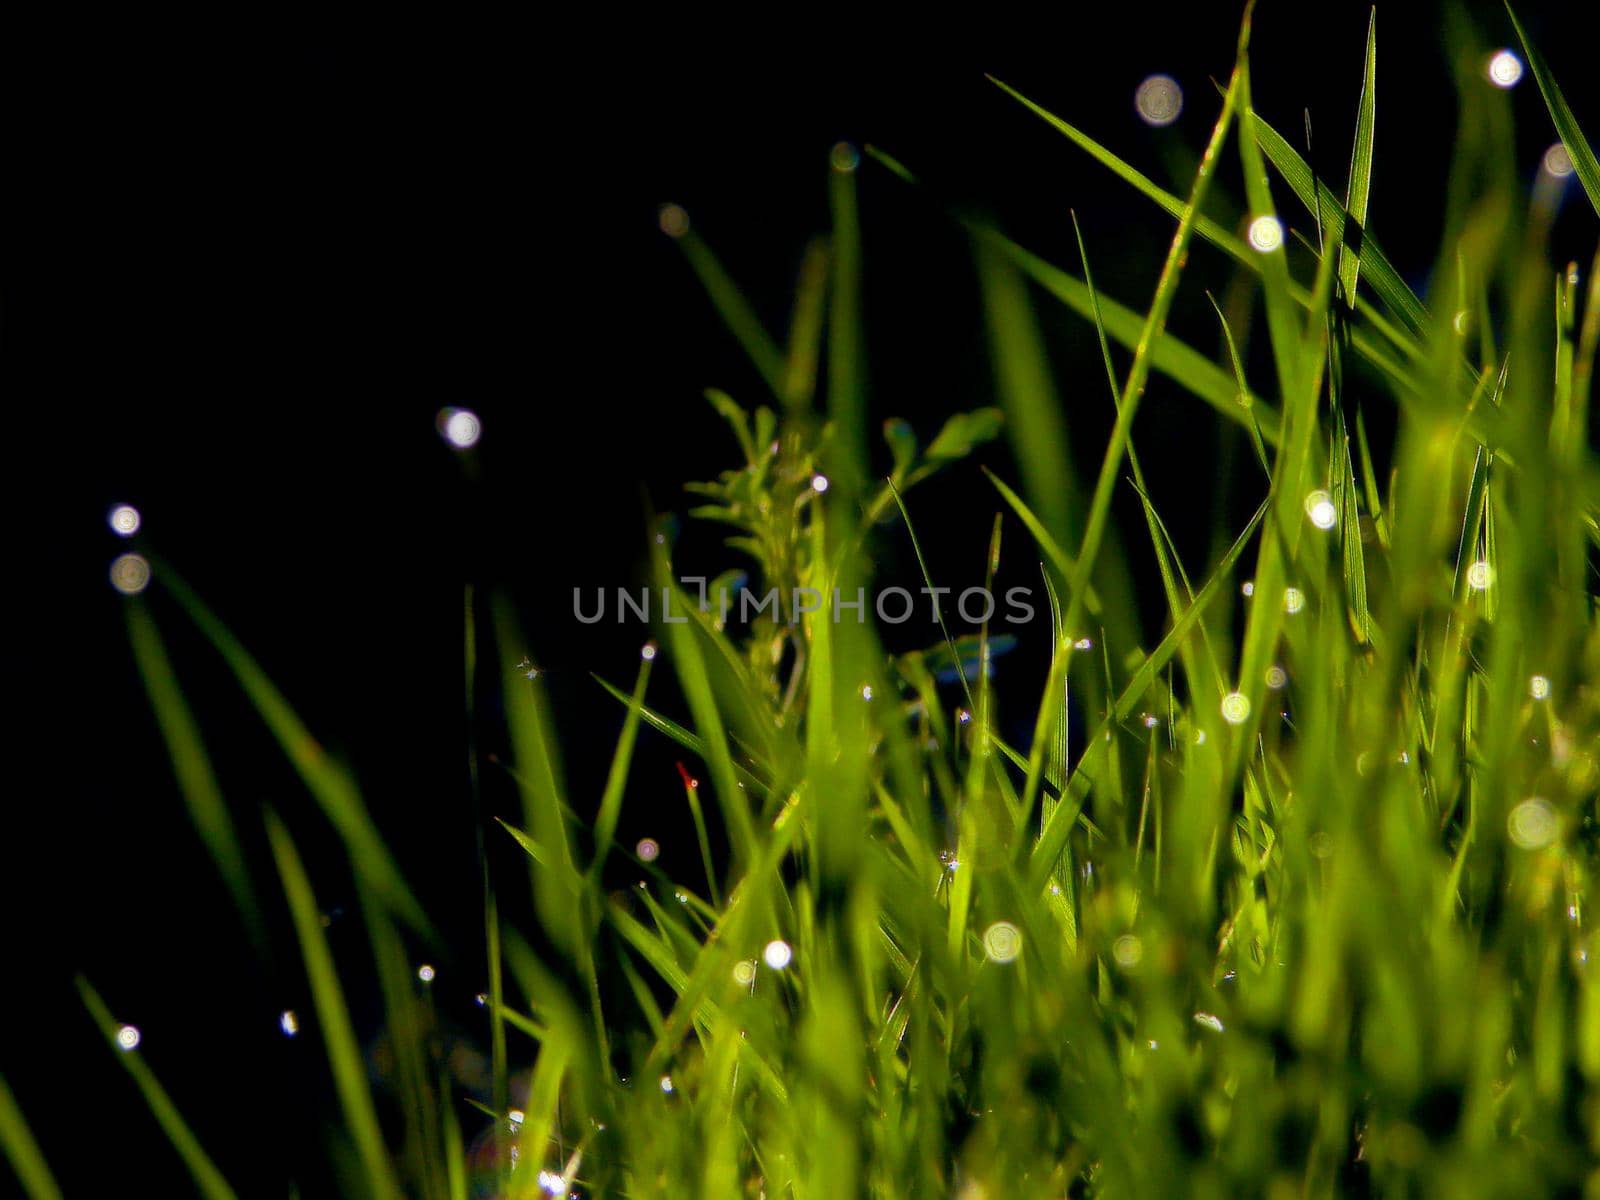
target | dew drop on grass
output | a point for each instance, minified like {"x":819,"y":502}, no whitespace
{"x":1532,"y":824}
{"x":666,"y":1084}
{"x":1557,"y":162}
{"x":1319,"y":507}
{"x":673,"y":220}
{"x":844,"y":158}
{"x":744,"y":972}
{"x":426,"y":973}
{"x":778,"y":954}
{"x":1208,"y":1021}
{"x":1266,"y":234}
{"x":130,"y":574}
{"x":1248,"y":587}
{"x":1539,"y":687}
{"x":124,"y":520}
{"x":819,"y":483}
{"x":1293,"y":600}
{"x":1083,"y":644}
{"x":648,"y":652}
{"x":1480,"y":575}
{"x":1504,"y":69}
{"x":866,"y":691}
{"x":1277,"y":677}
{"x":1128,"y":950}
{"x":1235,"y":708}
{"x":128,"y":1037}
{"x":460,"y":427}
{"x":289,"y":1023}
{"x":1002,"y":942}
{"x":1159,"y":100}
{"x":648,"y":849}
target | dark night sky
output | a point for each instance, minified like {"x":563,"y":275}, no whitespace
{"x":243,"y":265}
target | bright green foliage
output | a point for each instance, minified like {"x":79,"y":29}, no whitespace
{"x":1306,"y":911}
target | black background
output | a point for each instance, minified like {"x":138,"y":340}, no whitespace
{"x":244,"y":265}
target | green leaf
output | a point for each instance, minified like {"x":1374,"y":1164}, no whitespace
{"x":963,"y":433}
{"x":1360,"y":165}
{"x":1578,"y":148}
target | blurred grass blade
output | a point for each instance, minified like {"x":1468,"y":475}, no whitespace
{"x":1321,"y":203}
{"x":208,"y":1181}
{"x":1360,"y":188}
{"x":197,"y":782}
{"x":333,"y":1016}
{"x":1578,"y":148}
{"x":737,"y":313}
{"x":329,"y":783}
{"x":22,"y":1151}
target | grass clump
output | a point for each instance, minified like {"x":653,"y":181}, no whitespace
{"x":1292,"y":902}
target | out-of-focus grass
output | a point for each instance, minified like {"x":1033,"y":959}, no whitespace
{"x":1306,"y":911}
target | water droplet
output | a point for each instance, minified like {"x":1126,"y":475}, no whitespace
{"x":1532,"y":824}
{"x":648,"y":652}
{"x":666,"y":1084}
{"x":1266,"y":234}
{"x":866,"y":691}
{"x":1480,"y":575}
{"x":1539,"y":687}
{"x":744,"y":972}
{"x":1557,"y":162}
{"x":819,"y":483}
{"x":1209,"y":1021}
{"x":844,"y":158}
{"x":130,"y":574}
{"x":425,"y":973}
{"x":553,"y":1183}
{"x":1459,"y":321}
{"x":124,"y":520}
{"x":1504,"y":69}
{"x":1151,"y":720}
{"x":1319,"y":507}
{"x":128,"y":1037}
{"x":516,"y":1116}
{"x":778,"y":955}
{"x":1293,"y":600}
{"x":1235,"y":708}
{"x":1002,"y":942}
{"x":1320,"y":844}
{"x":1128,"y":950}
{"x":963,"y":716}
{"x":1083,"y":644}
{"x":460,"y":427}
{"x":1158,"y":100}
{"x":648,"y":849}
{"x":1277,"y":677}
{"x":674,"y":221}
{"x":289,"y":1023}
{"x":483,"y":999}
{"x":1248,"y":587}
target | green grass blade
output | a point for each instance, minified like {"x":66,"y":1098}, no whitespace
{"x":22,"y":1150}
{"x":736,"y":312}
{"x":208,"y":1181}
{"x":1360,"y":189}
{"x":197,"y":782}
{"x":1582,"y":154}
{"x":329,"y":783}
{"x":333,"y":1016}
